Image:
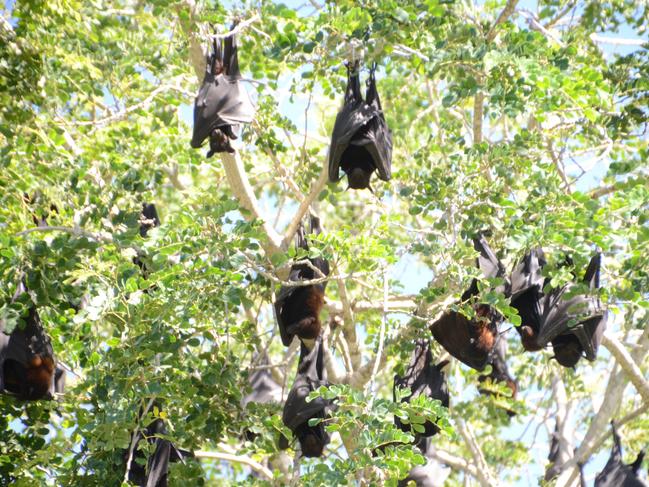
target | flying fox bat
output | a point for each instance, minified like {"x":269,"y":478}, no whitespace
{"x":499,"y":371}
{"x":618,"y":474}
{"x":157,"y":467}
{"x":264,"y":388}
{"x":297,"y":308}
{"x":222,"y":102}
{"x":148,"y":220}
{"x":472,"y":341}
{"x":573,"y":324}
{"x":297,"y":411}
{"x":422,"y":378}
{"x":361,"y":142}
{"x":560,"y":452}
{"x":27,"y":365}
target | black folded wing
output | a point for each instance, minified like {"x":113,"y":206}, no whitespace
{"x":157,"y":468}
{"x":297,"y":411}
{"x":527,"y":297}
{"x":361,"y":139}
{"x":618,"y":474}
{"x":574,"y":324}
{"x":264,"y":388}
{"x":422,"y":378}
{"x":222,"y":100}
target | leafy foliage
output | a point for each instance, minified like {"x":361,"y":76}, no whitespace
{"x":95,"y":114}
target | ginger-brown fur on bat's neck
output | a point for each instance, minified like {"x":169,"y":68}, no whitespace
{"x":32,"y":382}
{"x":39,"y":374}
{"x":484,"y":329}
{"x":528,"y":339}
{"x":512,"y":386}
{"x":310,"y":327}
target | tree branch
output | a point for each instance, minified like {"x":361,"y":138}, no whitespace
{"x":234,"y":170}
{"x":316,"y":188}
{"x":484,"y":475}
{"x":618,"y":41}
{"x":603,"y":191}
{"x":612,"y":400}
{"x":394,"y":304}
{"x":242,"y":190}
{"x":349,"y":326}
{"x":361,"y":375}
{"x":232,"y":458}
{"x":134,"y":439}
{"x":478,"y":114}
{"x":628,"y":365}
{"x":122,"y":114}
{"x":452,"y":461}
{"x":478,"y":101}
{"x":504,"y":15}
{"x":240,"y":27}
{"x":76,"y":231}
{"x":384,"y":324}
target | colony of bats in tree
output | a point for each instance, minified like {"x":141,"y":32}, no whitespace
{"x":361,"y":144}
{"x":568,"y":317}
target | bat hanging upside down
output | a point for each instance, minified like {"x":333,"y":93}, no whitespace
{"x":298,"y":411}
{"x":472,"y":341}
{"x":423,"y":378}
{"x":222,"y":103}
{"x":297,"y":308}
{"x":27,"y":365}
{"x":573,"y":324}
{"x":361,"y":142}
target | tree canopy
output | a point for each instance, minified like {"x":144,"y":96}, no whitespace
{"x":522,"y":121}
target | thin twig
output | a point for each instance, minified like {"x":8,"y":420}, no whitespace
{"x":122,"y":114}
{"x":243,"y":459}
{"x":240,"y":27}
{"x":384,"y":322}
{"x":134,"y":440}
{"x":76,"y":231}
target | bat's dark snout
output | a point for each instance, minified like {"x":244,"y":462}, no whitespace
{"x":359,"y":178}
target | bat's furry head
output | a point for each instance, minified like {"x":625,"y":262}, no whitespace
{"x":359,"y":178}
{"x":31,"y":382}
{"x":567,"y":350}
{"x":312,"y":442}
